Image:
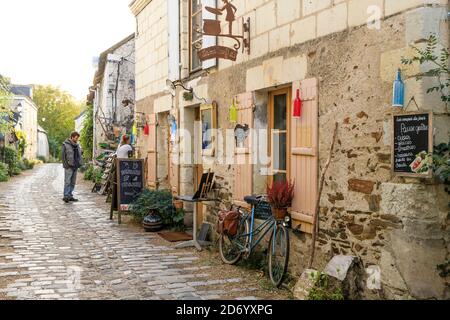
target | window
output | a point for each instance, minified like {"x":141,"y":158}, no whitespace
{"x":209,"y":125}
{"x":195,"y":37}
{"x":279,"y":138}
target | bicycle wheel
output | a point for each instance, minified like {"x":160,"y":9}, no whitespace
{"x":230,"y":248}
{"x":278,"y":255}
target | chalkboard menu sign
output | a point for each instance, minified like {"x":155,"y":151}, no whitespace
{"x":130,"y":181}
{"x":413,"y":145}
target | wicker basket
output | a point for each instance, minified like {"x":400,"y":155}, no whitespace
{"x":279,"y":214}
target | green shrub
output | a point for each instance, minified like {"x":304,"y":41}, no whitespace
{"x":162,"y":202}
{"x":322,"y":290}
{"x":43,"y":159}
{"x":89,"y":173}
{"x":4,"y":172}
{"x":22,"y":165}
{"x":97,"y":175}
{"x":10,"y":157}
{"x":29,"y":164}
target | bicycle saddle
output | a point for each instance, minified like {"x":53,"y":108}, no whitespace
{"x":253,"y":200}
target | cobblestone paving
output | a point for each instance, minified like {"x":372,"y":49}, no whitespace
{"x":52,"y":250}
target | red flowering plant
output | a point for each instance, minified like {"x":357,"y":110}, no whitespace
{"x":280,"y":194}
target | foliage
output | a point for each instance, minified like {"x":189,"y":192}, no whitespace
{"x":87,"y":133}
{"x":29,"y":164}
{"x":439,"y":66}
{"x":322,"y":289}
{"x":4,"y":173}
{"x":281,"y":194}
{"x":89,"y":173}
{"x":43,"y":159}
{"x":162,"y":202}
{"x":97,"y":175}
{"x":59,"y":109}
{"x":22,"y":141}
{"x":5,"y":100}
{"x":11,"y":158}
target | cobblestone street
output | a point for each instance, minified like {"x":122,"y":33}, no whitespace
{"x":53,"y":250}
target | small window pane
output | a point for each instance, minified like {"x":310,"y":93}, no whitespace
{"x":280,"y":112}
{"x":195,"y":60}
{"x":196,"y":6}
{"x":280,"y":151}
{"x":207,"y":127}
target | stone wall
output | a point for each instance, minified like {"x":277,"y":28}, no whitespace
{"x":397,"y":226}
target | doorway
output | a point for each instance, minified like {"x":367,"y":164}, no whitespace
{"x":279,"y":127}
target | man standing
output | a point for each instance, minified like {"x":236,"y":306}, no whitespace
{"x":72,"y":161}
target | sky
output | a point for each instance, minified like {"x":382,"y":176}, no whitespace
{"x":54,"y":41}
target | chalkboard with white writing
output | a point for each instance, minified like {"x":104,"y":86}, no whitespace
{"x":130,"y":178}
{"x":413,"y":144}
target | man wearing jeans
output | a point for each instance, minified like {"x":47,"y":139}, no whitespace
{"x":72,"y":160}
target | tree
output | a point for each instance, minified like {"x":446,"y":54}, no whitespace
{"x":87,"y":133}
{"x":56,"y":113}
{"x":5,"y":111}
{"x":438,"y":66}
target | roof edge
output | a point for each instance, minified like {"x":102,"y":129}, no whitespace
{"x":138,"y":5}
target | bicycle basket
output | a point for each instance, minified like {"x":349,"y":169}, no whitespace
{"x":263,"y":211}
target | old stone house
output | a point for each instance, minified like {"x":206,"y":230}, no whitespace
{"x":113,"y":93}
{"x":27,"y":118}
{"x":343,"y":56}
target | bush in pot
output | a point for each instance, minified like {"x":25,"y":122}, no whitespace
{"x":280,"y":196}
{"x":160,"y":202}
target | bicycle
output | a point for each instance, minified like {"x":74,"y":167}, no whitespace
{"x":233,"y":248}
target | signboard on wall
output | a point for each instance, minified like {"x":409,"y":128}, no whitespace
{"x":412,"y":145}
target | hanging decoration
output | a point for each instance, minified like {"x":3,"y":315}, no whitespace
{"x":233,"y":112}
{"x":173,"y":128}
{"x":398,"y":99}
{"x":146,"y":129}
{"x":213,"y":28}
{"x":298,"y":105}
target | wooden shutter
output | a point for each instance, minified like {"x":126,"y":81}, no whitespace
{"x":152,"y":177}
{"x":208,"y":41}
{"x":243,"y":156}
{"x":304,"y":155}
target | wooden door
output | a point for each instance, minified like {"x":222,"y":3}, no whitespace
{"x":305,"y":155}
{"x":198,"y":160}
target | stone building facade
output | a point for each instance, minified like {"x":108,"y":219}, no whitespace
{"x":343,"y":56}
{"x":27,"y":122}
{"x":114,"y":93}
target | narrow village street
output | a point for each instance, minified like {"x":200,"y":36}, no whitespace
{"x":53,"y":250}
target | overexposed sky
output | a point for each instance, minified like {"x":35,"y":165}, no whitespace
{"x":54,"y":41}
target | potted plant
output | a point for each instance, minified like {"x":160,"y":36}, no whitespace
{"x":280,"y":196}
{"x":178,"y":204}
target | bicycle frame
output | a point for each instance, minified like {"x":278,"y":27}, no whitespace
{"x":263,"y":229}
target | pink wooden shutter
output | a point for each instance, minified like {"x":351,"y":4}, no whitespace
{"x":152,"y":177}
{"x":304,"y":155}
{"x":243,"y":156}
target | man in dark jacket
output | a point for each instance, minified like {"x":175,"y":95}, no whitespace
{"x":72,"y":161}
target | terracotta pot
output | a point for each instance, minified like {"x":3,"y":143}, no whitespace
{"x":279,"y":214}
{"x":178,"y":204}
{"x":211,"y":27}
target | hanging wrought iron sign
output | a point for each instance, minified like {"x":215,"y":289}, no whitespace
{"x":213,"y":28}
